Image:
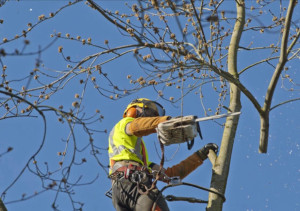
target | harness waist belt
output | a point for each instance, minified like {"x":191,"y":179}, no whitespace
{"x":128,"y":169}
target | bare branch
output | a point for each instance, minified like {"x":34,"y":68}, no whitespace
{"x":263,"y":144}
{"x":285,"y":102}
{"x":99,"y":9}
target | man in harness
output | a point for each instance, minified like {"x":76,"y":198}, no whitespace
{"x":130,"y":169}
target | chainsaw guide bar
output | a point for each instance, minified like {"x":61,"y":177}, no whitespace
{"x":217,"y":116}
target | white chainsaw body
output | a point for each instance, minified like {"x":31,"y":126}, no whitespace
{"x":177,"y":130}
{"x":184,"y":129}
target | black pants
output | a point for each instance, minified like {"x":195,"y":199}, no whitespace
{"x":126,"y":197}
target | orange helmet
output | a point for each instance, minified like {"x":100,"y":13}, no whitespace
{"x":150,"y":108}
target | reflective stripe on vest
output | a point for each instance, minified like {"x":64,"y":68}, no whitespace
{"x":118,"y":149}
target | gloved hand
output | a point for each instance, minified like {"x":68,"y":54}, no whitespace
{"x":205,"y":150}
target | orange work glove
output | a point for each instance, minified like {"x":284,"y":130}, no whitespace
{"x":144,"y":126}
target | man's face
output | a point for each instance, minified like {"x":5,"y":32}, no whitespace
{"x":139,"y":110}
{"x":148,"y":112}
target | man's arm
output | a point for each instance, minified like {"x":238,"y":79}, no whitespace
{"x":144,"y":126}
{"x":188,"y":165}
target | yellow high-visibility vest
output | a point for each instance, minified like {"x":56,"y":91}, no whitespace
{"x":126,"y":147}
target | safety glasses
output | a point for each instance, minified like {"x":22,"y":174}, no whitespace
{"x":154,"y":107}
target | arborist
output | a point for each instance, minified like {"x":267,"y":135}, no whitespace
{"x":130,"y":169}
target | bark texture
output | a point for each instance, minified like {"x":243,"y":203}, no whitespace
{"x":2,"y":206}
{"x":222,"y":163}
{"x":284,"y":52}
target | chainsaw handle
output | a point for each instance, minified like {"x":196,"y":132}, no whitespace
{"x":190,"y":144}
{"x":199,"y":130}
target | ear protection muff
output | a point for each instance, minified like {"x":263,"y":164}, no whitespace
{"x":131,"y":112}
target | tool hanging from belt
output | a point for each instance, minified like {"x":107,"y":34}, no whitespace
{"x":136,"y":174}
{"x":133,"y":173}
{"x":130,"y":172}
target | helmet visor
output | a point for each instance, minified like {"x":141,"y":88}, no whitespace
{"x":161,"y":111}
{"x":157,"y":109}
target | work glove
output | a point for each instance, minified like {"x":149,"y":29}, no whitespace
{"x":205,"y":150}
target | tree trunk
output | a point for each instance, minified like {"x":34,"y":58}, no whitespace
{"x":2,"y":206}
{"x":222,"y":163}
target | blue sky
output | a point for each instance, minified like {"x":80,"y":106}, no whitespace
{"x":256,"y":181}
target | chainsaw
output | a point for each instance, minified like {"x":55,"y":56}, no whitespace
{"x":184,"y":129}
